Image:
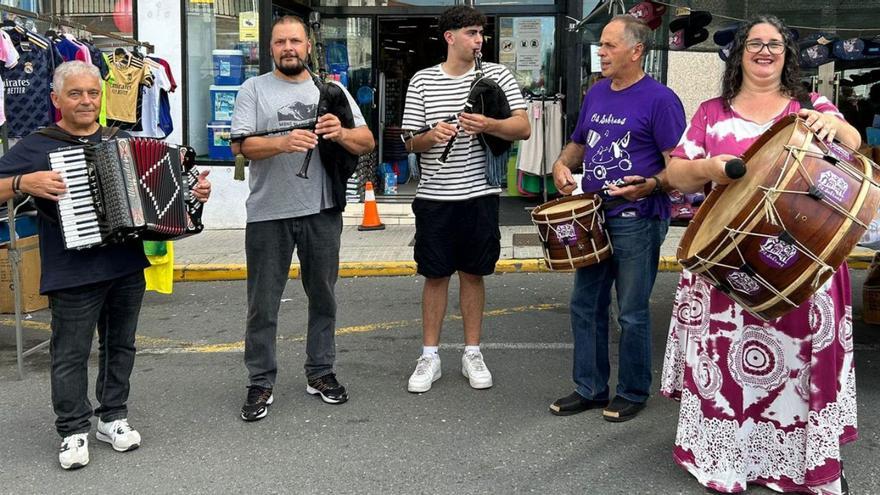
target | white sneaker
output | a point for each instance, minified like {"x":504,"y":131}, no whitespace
{"x":473,"y":367}
{"x":74,"y":452}
{"x":119,"y":434}
{"x":427,"y":372}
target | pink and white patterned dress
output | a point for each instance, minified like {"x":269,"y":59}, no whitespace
{"x":761,"y":402}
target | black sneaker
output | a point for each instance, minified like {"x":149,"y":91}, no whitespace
{"x":621,"y":410}
{"x":256,"y":406}
{"x":575,"y":403}
{"x":328,"y":388}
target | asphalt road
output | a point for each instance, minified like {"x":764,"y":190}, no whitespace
{"x":189,"y":383}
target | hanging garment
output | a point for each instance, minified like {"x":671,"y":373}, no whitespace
{"x":538,"y":153}
{"x":124,"y":99}
{"x":9,"y":57}
{"x":151,"y":98}
{"x":160,"y":274}
{"x":29,"y":82}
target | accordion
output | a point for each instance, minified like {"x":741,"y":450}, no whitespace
{"x":126,"y":188}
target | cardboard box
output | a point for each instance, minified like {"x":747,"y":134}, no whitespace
{"x":29,"y":271}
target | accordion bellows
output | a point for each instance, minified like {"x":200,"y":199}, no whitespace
{"x":126,"y":188}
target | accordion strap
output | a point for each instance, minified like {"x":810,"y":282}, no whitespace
{"x":59,"y":134}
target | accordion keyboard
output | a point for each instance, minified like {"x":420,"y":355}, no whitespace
{"x":77,"y":208}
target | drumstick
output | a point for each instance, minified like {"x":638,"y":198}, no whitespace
{"x":735,"y":168}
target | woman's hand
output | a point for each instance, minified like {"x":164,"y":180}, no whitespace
{"x":824,"y":125}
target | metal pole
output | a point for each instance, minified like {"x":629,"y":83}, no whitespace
{"x":14,"y":257}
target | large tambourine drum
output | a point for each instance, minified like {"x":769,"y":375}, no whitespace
{"x":572,"y":232}
{"x":772,"y":238}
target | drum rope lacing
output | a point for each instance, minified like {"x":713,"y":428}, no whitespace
{"x":574,"y":219}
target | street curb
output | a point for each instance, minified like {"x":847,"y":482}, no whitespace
{"x":217,"y":272}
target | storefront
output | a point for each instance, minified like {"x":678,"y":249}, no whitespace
{"x":373,"y":49}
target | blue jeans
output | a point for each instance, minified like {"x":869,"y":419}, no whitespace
{"x":632,"y":269}
{"x":113,"y":306}
{"x":269,"y":248}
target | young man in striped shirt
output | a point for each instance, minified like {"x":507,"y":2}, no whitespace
{"x":456,"y":208}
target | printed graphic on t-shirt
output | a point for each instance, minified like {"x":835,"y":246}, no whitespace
{"x":296,"y":113}
{"x":606,"y":155}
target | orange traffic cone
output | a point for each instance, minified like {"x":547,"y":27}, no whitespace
{"x":371,"y":212}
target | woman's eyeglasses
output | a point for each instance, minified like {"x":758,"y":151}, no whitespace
{"x":774,"y":47}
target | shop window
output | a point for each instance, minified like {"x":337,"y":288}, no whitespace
{"x":482,"y":3}
{"x":222,"y":52}
{"x":385,"y":3}
{"x":348,"y":50}
{"x":526,"y":46}
{"x":109,"y":16}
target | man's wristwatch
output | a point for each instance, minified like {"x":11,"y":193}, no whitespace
{"x":658,"y":187}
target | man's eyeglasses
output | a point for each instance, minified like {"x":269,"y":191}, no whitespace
{"x":774,"y":47}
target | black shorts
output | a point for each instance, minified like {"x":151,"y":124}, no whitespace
{"x":457,"y":236}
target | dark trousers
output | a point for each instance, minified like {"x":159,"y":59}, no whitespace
{"x":269,"y":247}
{"x":113,"y":306}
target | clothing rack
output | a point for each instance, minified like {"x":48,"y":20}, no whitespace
{"x":59,"y":21}
{"x":542,"y":96}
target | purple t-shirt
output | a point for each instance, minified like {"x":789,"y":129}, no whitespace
{"x":624,"y":133}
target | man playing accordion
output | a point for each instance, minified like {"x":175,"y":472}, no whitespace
{"x":100,"y":286}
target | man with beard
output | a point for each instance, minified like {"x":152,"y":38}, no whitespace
{"x":285,"y":211}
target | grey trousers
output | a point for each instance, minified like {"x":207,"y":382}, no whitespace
{"x":269,"y":247}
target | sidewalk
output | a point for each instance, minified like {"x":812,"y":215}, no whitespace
{"x":219,"y":254}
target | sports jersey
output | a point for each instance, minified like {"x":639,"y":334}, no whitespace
{"x":128,"y":72}
{"x":151,"y":102}
{"x":29,"y":83}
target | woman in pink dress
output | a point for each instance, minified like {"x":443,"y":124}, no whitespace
{"x":768,"y":403}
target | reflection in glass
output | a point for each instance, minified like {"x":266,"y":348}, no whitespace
{"x":222,"y":51}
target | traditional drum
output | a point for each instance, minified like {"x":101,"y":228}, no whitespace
{"x":572,"y":231}
{"x":772,"y":238}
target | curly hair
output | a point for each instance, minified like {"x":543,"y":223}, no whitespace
{"x":460,"y":16}
{"x":732,"y":80}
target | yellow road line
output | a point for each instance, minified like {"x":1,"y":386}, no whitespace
{"x":168,"y":347}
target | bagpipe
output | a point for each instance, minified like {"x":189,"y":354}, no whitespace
{"x":484,"y":97}
{"x":332,"y":100}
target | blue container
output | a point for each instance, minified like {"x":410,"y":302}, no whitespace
{"x":223,"y":102}
{"x":218,"y":141}
{"x":25,"y":226}
{"x":228,"y":67}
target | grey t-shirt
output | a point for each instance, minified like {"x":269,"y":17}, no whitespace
{"x":267,"y":102}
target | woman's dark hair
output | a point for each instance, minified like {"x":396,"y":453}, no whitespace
{"x":460,"y":16}
{"x":733,"y":72}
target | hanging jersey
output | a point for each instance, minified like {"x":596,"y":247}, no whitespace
{"x":29,"y":83}
{"x":151,"y":100}
{"x":128,"y":71}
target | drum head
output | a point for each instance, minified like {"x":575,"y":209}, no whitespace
{"x":738,"y":193}
{"x":578,"y":204}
